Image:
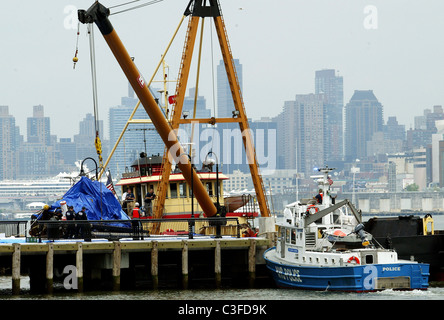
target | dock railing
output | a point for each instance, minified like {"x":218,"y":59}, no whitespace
{"x":16,"y":228}
{"x":137,"y":229}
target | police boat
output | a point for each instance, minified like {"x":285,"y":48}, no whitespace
{"x":323,"y":246}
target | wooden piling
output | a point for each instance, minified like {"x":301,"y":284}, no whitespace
{"x":252,"y":262}
{"x":50,"y":268}
{"x":218,"y":264}
{"x":185,"y":264}
{"x":155,"y":265}
{"x":79,"y":266}
{"x":16,"y":269}
{"x":117,"y":255}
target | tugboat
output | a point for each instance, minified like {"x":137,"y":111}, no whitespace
{"x":323,"y":246}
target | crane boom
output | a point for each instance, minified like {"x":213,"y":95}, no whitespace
{"x":98,"y":14}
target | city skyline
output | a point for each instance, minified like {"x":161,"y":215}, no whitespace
{"x":397,"y":57}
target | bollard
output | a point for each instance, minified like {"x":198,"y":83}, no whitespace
{"x":16,"y":269}
{"x":155,"y":265}
{"x":217,"y":264}
{"x":79,"y":266}
{"x":185,"y":264}
{"x":50,"y":268}
{"x":252,"y":262}
{"x":117,"y":254}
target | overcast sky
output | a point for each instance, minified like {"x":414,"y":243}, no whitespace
{"x":393,"y":47}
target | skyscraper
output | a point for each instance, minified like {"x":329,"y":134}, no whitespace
{"x":301,"y":133}
{"x":8,"y":145}
{"x":331,"y":85}
{"x":225,"y":104}
{"x":38,"y":129}
{"x":363,"y":117}
{"x":138,"y":138}
{"x":85,"y":140}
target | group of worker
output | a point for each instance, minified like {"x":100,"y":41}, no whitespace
{"x":77,"y":230}
{"x":133,"y":209}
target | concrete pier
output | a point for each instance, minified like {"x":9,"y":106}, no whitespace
{"x":155,"y":262}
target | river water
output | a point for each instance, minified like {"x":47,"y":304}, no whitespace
{"x":180,"y":298}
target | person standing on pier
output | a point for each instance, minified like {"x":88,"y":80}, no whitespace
{"x":82,"y":228}
{"x":149,"y":197}
{"x":70,"y":216}
{"x":128,"y":203}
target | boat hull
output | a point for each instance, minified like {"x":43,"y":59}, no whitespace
{"x":357,"y":278}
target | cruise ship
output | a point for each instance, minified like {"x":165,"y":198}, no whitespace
{"x":17,"y":194}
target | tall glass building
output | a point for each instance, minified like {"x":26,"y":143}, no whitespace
{"x":363,"y":117}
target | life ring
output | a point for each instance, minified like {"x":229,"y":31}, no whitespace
{"x":353,"y":259}
{"x":169,"y":230}
{"x":310,"y":207}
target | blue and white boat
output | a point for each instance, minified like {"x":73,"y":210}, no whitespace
{"x":322,"y":246}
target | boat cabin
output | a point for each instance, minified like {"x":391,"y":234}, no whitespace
{"x":146,"y":173}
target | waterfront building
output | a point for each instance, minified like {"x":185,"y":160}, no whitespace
{"x":363,"y":116}
{"x":331,"y":85}
{"x":420,"y":167}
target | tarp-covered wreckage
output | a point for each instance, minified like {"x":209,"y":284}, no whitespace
{"x":99,"y":201}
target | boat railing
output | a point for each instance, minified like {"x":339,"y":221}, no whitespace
{"x":135,"y":229}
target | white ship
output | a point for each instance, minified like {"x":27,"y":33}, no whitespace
{"x":17,"y":194}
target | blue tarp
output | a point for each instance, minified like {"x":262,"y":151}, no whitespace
{"x":99,"y":201}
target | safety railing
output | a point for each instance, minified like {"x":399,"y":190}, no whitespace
{"x":136,"y":229}
{"x":15,"y":228}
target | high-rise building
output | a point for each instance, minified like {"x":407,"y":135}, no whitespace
{"x":363,"y":117}
{"x":9,"y":135}
{"x":393,"y":130}
{"x":225,"y":104}
{"x":85,"y":140}
{"x":38,"y":156}
{"x":231,"y":150}
{"x":331,"y":85}
{"x":38,"y":129}
{"x":301,"y":133}
{"x":137,"y":138}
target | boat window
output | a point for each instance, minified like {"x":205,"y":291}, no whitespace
{"x":183,"y":190}
{"x":287,"y":236}
{"x":173,"y":190}
{"x":293,"y":236}
{"x":209,"y":188}
{"x":282,"y":233}
{"x":368,"y":259}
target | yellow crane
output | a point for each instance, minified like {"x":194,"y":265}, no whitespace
{"x":196,"y":10}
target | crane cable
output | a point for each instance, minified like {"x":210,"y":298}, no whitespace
{"x":75,"y":59}
{"x":97,"y":142}
{"x":135,"y":7}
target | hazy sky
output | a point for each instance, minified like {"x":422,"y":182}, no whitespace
{"x":399,"y":55}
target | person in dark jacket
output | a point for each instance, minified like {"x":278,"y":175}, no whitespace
{"x":70,"y":216}
{"x":82,"y":228}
